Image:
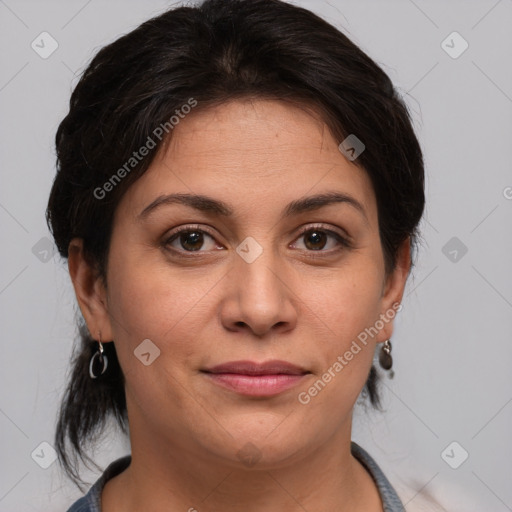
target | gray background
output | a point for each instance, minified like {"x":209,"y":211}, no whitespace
{"x":452,"y":346}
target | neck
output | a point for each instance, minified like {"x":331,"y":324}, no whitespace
{"x":166,"y":475}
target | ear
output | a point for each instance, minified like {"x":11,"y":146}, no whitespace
{"x":393,"y":290}
{"x":90,"y":292}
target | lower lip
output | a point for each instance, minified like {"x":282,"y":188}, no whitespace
{"x":256,"y":385}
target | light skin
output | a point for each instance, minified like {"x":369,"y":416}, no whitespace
{"x":303,"y":300}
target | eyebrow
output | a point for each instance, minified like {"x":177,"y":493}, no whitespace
{"x":216,"y":207}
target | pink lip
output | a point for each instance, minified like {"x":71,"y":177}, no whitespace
{"x":256,"y":379}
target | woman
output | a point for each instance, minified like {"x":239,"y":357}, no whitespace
{"x":238,"y":194}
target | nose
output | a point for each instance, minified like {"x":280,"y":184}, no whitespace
{"x":260,"y":297}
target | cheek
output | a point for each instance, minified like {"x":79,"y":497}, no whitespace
{"x":349,"y":306}
{"x":147,"y":304}
{"x":146,"y":291}
{"x":353,"y":300}
{"x":149,"y":301}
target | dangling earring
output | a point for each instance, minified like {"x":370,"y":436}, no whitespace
{"x":101,"y":357}
{"x":385,"y":359}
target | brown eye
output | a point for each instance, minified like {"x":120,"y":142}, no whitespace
{"x":323,"y":240}
{"x":190,"y":240}
{"x":315,"y":240}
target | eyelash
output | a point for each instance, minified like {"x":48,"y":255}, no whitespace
{"x":343,"y":242}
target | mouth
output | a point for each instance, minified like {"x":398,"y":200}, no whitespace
{"x":256,"y":379}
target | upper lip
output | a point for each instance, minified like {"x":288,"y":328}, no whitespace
{"x":273,"y":367}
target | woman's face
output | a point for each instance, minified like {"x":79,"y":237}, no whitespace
{"x":280,"y":260}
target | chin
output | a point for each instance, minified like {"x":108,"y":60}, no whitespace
{"x":264,"y":445}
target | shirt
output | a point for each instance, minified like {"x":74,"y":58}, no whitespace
{"x":91,"y":502}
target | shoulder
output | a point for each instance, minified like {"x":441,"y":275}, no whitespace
{"x":419,"y":500}
{"x":389,"y":496}
{"x":84,"y":504}
{"x":91,"y":502}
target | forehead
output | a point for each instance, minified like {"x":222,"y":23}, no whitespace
{"x":262,"y":130}
{"x":248,"y":151}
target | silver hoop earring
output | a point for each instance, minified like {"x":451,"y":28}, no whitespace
{"x":101,"y":358}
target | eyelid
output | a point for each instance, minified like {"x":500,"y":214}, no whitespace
{"x":328,"y":229}
{"x":189,"y":227}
